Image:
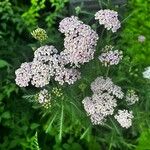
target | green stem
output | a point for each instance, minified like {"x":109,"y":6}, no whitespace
{"x":61,"y":123}
{"x":107,"y":71}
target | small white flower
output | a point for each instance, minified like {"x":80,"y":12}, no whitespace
{"x":146,"y":73}
{"x":124,"y":117}
{"x":108,"y":18}
{"x":141,"y":38}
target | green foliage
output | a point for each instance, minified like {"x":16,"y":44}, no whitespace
{"x":136,"y":24}
{"x":143,"y":140}
{"x":59,"y":6}
{"x":32,"y":15}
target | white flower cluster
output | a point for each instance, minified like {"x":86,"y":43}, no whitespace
{"x":131,"y":97}
{"x":146,"y":73}
{"x":44,"y":98}
{"x":23,"y":74}
{"x":46,"y":64}
{"x":79,"y":43}
{"x":110,"y":57}
{"x":103,"y":101}
{"x":108,"y":18}
{"x":124,"y":117}
{"x":141,"y":38}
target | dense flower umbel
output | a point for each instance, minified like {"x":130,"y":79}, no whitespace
{"x":108,"y":18}
{"x":146,"y":73}
{"x":39,"y":34}
{"x":110,"y":57}
{"x":124,"y":117}
{"x":79,"y":43}
{"x":131,"y":97}
{"x":103,"y":101}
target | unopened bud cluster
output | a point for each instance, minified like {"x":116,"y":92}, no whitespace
{"x":39,"y":34}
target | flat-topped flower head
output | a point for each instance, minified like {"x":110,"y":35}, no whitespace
{"x":110,"y":57}
{"x":124,"y":117}
{"x":108,"y":18}
{"x":100,"y":84}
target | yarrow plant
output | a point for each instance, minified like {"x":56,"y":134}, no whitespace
{"x":80,"y":41}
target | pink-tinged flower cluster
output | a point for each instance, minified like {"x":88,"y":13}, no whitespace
{"x":46,"y":64}
{"x":108,"y":18}
{"x":79,"y":43}
{"x":103,"y":101}
{"x":110,"y":57}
